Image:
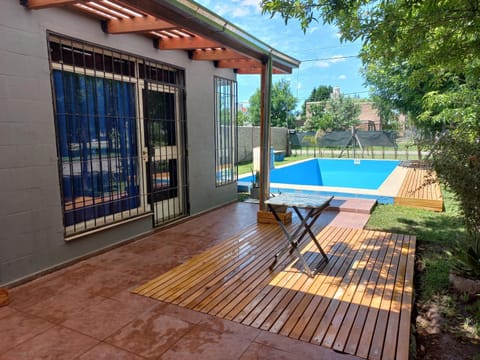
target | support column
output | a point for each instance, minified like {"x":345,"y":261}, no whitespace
{"x":265,"y":104}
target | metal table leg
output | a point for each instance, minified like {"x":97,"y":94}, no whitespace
{"x":291,"y":238}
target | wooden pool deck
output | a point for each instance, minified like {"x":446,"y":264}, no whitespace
{"x":358,"y":303}
{"x":420,"y":188}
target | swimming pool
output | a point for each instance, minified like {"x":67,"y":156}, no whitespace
{"x":338,"y":177}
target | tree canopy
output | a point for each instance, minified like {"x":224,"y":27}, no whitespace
{"x":282,"y":108}
{"x":318,"y":94}
{"x":335,"y":114}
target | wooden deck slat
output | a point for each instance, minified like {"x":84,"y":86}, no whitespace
{"x":369,"y":278}
{"x":323,"y":298}
{"x":201,"y":273}
{"x":403,"y":337}
{"x":296,"y":308}
{"x":359,"y":302}
{"x":298,"y":280}
{"x":378,"y":311}
{"x":362,"y":272}
{"x":207,"y":281}
{"x":250,"y":298}
{"x":388,"y":308}
{"x":360,"y":322}
{"x":418,"y":189}
{"x":254,"y":304}
{"x":336,"y":298}
{"x":320,"y":291}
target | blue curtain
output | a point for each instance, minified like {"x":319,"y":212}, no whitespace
{"x":97,"y":144}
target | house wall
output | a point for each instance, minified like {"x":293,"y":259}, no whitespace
{"x":31,"y":235}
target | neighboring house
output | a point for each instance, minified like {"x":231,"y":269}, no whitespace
{"x":118,"y":116}
{"x":369,"y":118}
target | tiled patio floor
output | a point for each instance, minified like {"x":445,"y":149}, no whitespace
{"x":86,"y":311}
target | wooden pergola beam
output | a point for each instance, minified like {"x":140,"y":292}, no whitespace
{"x":215,"y":54}
{"x":137,"y":24}
{"x":41,"y":4}
{"x":238,"y":63}
{"x":185,"y":43}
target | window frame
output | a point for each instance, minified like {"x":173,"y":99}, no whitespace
{"x":172,"y":78}
{"x":225,"y":131}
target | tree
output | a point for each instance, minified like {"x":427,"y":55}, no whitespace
{"x":320,"y":94}
{"x":282,"y":107}
{"x":334,"y":114}
{"x":243,"y":119}
{"x":343,"y":112}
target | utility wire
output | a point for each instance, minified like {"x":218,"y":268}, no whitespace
{"x":331,"y":58}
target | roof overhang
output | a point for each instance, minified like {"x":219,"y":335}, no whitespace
{"x":181,"y":25}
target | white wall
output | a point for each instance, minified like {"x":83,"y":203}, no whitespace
{"x":31,"y":236}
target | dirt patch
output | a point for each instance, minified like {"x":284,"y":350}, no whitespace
{"x":442,"y":329}
{"x":445,"y":346}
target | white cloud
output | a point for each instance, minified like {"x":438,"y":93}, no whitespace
{"x":342,"y":77}
{"x":322,"y":64}
{"x":238,"y":8}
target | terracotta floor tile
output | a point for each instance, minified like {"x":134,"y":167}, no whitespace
{"x":151,"y":334}
{"x":56,"y":309}
{"x":134,"y":301}
{"x":57,"y":343}
{"x":100,"y":320}
{"x":229,"y":327}
{"x":262,"y":352}
{"x":350,"y":220}
{"x":108,"y":352}
{"x":6,"y":310}
{"x":203,"y":343}
{"x":193,"y":317}
{"x":19,"y":327}
{"x":105,"y":282}
{"x":29,"y":294}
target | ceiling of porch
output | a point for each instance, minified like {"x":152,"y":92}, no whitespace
{"x":180,"y":25}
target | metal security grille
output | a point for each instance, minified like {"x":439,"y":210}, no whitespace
{"x":120,"y":136}
{"x":225,"y":131}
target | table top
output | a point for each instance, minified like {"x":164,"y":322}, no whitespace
{"x":299,"y":200}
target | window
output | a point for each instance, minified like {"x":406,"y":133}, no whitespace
{"x":117,"y":123}
{"x":225,"y":131}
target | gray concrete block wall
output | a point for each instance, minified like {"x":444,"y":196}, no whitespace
{"x":31,"y":235}
{"x":249,"y":137}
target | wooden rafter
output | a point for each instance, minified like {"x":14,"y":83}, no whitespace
{"x":41,"y":4}
{"x":239,"y":63}
{"x":186,"y":43}
{"x":136,"y":24}
{"x":215,"y":54}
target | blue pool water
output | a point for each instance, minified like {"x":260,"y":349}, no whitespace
{"x":360,"y":174}
{"x":338,"y":173}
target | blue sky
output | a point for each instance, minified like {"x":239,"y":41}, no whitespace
{"x":325,"y":60}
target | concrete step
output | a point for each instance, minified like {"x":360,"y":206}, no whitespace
{"x":353,"y":205}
